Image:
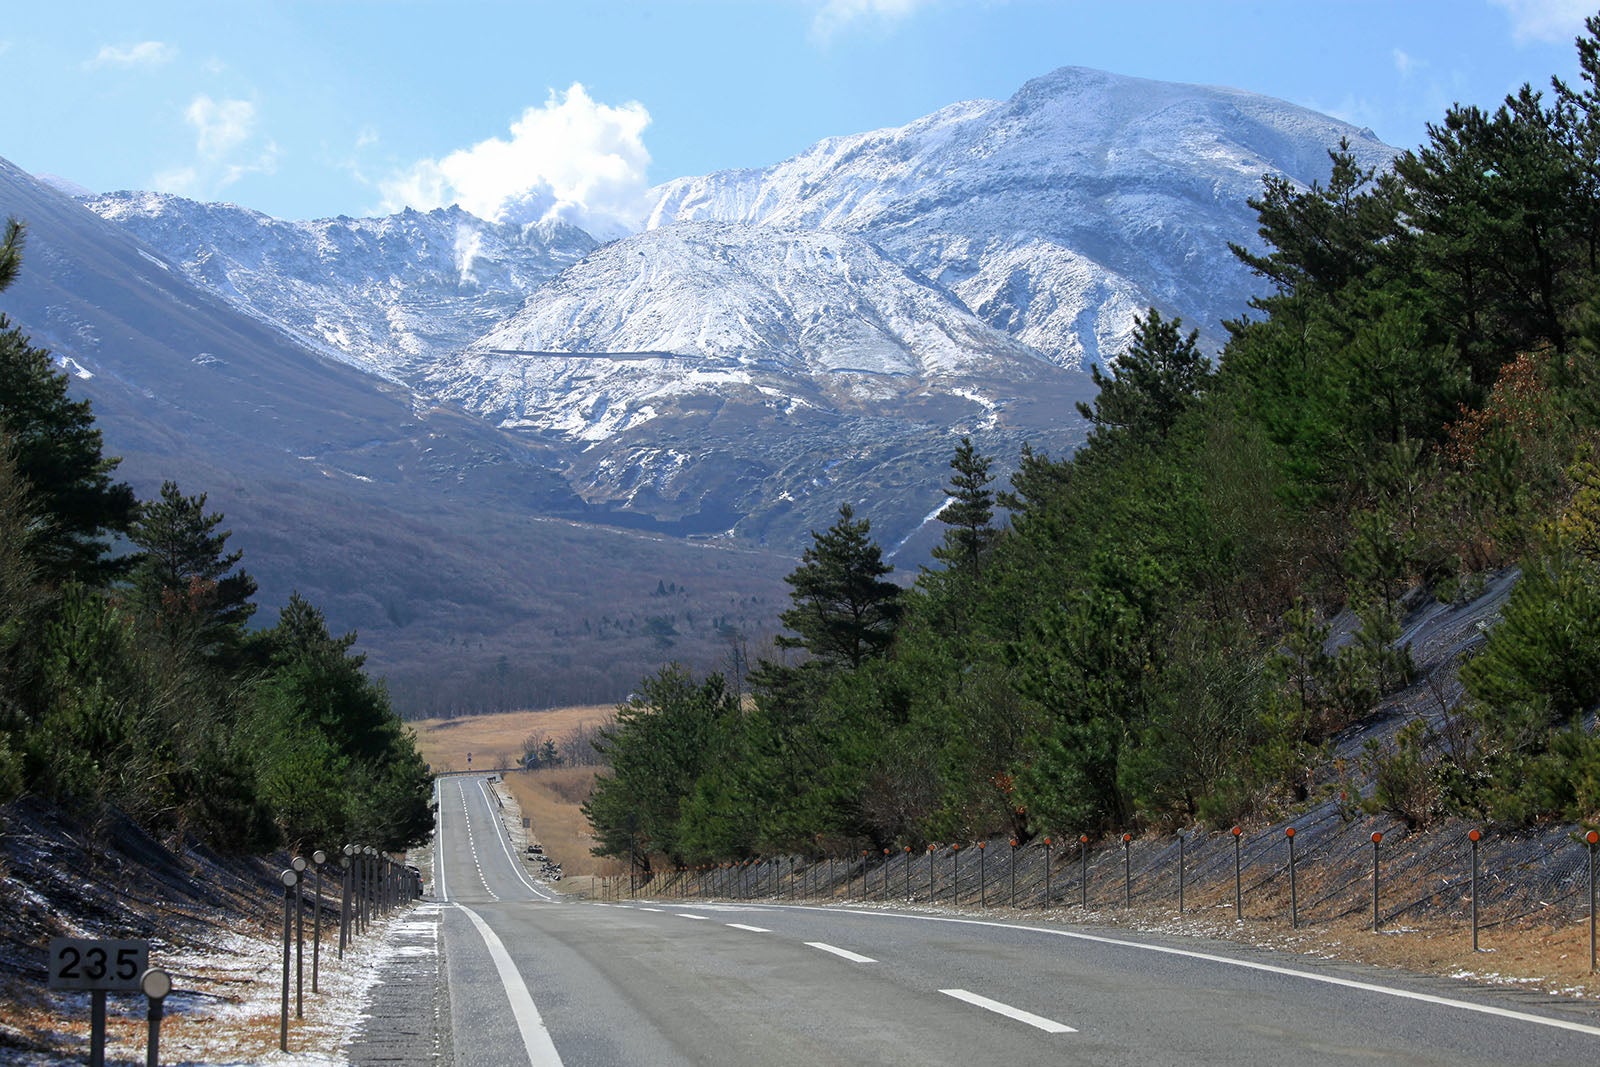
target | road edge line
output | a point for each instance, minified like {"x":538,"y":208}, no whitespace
{"x":535,"y":1036}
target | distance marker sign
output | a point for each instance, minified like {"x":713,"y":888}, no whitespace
{"x":107,"y":966}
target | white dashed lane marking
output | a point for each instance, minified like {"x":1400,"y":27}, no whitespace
{"x":1049,"y":1026}
{"x":842,"y":953}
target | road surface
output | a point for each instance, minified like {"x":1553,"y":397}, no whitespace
{"x":534,"y":978}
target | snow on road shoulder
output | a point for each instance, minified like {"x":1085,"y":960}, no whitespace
{"x":224,"y":1008}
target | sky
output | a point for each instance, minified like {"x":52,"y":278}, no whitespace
{"x":573,"y":108}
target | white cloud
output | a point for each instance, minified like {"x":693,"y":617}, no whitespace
{"x":1404,"y":62}
{"x":572,"y":159}
{"x":221,"y":126}
{"x":226,"y":148}
{"x":1554,"y":21}
{"x":143,"y":54}
{"x":835,"y":15}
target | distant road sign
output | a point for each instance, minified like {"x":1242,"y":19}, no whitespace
{"x":108,"y":966}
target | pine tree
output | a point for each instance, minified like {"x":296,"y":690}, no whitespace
{"x":1157,"y":378}
{"x":1324,"y":237}
{"x":184,"y":576}
{"x":969,"y":513}
{"x":57,"y":451}
{"x":845,"y":610}
{"x":10,"y":253}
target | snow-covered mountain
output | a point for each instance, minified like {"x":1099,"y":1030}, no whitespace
{"x":778,"y":340}
{"x":1058,"y":214}
{"x":783,"y":317}
{"x":458,"y":551}
{"x":384,"y":294}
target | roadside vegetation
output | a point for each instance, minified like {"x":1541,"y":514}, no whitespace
{"x":128,"y":678}
{"x":1150,"y":639}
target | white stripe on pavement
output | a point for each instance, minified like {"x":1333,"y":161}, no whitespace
{"x":1049,"y":1026}
{"x":535,"y":1038}
{"x":504,"y":837}
{"x":1251,"y":965}
{"x":752,"y":929}
{"x":844,"y":953}
{"x":686,"y":915}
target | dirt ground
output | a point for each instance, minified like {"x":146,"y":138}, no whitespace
{"x":1528,"y":954}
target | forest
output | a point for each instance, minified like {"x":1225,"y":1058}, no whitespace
{"x":1140,"y":634}
{"x":130,"y":680}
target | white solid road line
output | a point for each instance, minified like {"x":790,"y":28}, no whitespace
{"x":1268,"y":968}
{"x":505,"y":843}
{"x":535,"y":1038}
{"x":843,"y":953}
{"x":438,"y":843}
{"x":752,"y":929}
{"x":1049,"y":1026}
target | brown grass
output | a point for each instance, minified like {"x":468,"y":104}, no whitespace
{"x":497,"y":740}
{"x":551,"y":799}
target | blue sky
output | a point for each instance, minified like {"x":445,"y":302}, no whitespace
{"x":355,"y":107}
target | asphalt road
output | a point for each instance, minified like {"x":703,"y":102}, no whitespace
{"x":534,"y":978}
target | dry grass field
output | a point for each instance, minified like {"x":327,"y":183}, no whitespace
{"x":551,"y":798}
{"x":497,"y":740}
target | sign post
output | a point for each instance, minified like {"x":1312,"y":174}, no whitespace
{"x":318,"y":858}
{"x":1592,"y":838}
{"x":299,"y":865}
{"x":1180,"y":872}
{"x":1474,"y":835}
{"x":97,"y":967}
{"x":1294,"y":895}
{"x":1238,"y":884}
{"x":155,"y":984}
{"x":289,"y":879}
{"x":1377,"y":839}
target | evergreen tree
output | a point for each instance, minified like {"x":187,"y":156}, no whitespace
{"x":1158,"y":377}
{"x":1578,"y":123}
{"x":10,"y":253}
{"x":57,"y":451}
{"x":1324,"y":237}
{"x":664,"y":739}
{"x":1494,"y":204}
{"x":969,"y":513}
{"x":845,"y":609}
{"x":332,"y":756}
{"x":184,"y":577}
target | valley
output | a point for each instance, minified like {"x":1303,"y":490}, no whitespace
{"x":475,"y":442}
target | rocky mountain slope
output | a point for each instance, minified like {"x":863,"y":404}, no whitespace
{"x":904,"y":285}
{"x":772,"y":343}
{"x":384,"y":294}
{"x":450,"y":545}
{"x":1059,"y":213}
